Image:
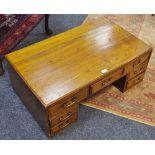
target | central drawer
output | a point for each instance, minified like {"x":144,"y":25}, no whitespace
{"x":105,"y":81}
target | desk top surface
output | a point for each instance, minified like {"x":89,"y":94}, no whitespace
{"x":65,"y":63}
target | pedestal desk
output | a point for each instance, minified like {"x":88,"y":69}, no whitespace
{"x":51,"y":77}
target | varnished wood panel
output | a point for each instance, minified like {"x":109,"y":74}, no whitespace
{"x":65,"y":124}
{"x":63,"y":116}
{"x":135,"y":80}
{"x":138,"y":70}
{"x":107,"y":80}
{"x":69,"y":101}
{"x":54,"y":68}
{"x":30,"y":101}
{"x":62,"y":110}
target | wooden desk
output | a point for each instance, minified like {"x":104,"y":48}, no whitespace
{"x":54,"y":75}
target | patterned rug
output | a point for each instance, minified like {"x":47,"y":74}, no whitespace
{"x":138,"y":103}
{"x":8,"y":22}
{"x":13,"y":28}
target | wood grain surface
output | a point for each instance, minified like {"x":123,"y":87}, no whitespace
{"x":68,"y":62}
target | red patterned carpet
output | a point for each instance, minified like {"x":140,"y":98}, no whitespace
{"x":13,"y":28}
{"x":138,"y":103}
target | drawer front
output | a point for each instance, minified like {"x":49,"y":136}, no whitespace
{"x":65,"y":115}
{"x":138,"y":61}
{"x":68,"y":102}
{"x":141,"y":59}
{"x":137,"y":70}
{"x":64,"y":124}
{"x":134,"y":81}
{"x":110,"y":78}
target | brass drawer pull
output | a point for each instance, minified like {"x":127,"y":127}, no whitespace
{"x":139,"y":61}
{"x":138,"y":79}
{"x":63,"y":125}
{"x":71,"y":103}
{"x":103,"y":83}
{"x":140,"y":70}
{"x":64,"y":118}
{"x":109,"y":79}
{"x":106,"y":81}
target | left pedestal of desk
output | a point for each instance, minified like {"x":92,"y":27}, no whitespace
{"x":50,"y":121}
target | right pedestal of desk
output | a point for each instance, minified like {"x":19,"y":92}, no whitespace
{"x":134,"y":72}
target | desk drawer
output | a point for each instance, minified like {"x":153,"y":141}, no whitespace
{"x":110,"y":78}
{"x":135,"y":80}
{"x":138,"y":70}
{"x":63,"y":116}
{"x":68,"y":103}
{"x":137,"y":62}
{"x":64,"y":124}
{"x":141,"y":59}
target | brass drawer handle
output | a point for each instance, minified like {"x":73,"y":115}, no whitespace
{"x":109,"y":79}
{"x":138,"y":79}
{"x":71,"y":103}
{"x":137,"y":63}
{"x":103,"y":83}
{"x":64,"y":118}
{"x":141,"y":69}
{"x":63,"y":125}
{"x":106,"y":81}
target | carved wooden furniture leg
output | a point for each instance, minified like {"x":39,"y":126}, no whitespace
{"x":1,"y":68}
{"x":47,"y":29}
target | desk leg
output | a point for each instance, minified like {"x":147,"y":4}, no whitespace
{"x":47,"y":29}
{"x":1,"y":68}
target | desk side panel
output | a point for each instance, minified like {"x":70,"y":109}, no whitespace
{"x":30,"y":101}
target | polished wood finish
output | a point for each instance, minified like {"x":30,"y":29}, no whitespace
{"x":64,"y":115}
{"x":63,"y":64}
{"x":57,"y":128}
{"x":69,"y":101}
{"x":64,"y":70}
{"x":106,"y":80}
{"x":137,"y":70}
{"x":135,"y":80}
{"x":30,"y":100}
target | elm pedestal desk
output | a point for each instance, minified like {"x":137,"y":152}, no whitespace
{"x":53,"y":76}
